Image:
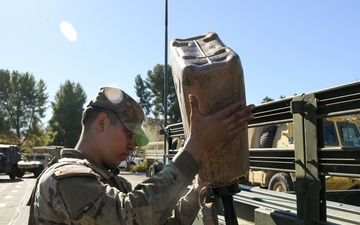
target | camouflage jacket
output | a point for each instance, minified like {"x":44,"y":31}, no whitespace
{"x":76,"y":191}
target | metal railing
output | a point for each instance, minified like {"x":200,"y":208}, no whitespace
{"x":310,"y":160}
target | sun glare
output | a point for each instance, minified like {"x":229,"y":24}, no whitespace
{"x":68,"y":31}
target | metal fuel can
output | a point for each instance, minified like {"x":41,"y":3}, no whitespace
{"x":205,"y":67}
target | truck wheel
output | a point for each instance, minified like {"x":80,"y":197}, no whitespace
{"x":37,"y":171}
{"x":12,"y":174}
{"x":151,"y":171}
{"x":281,"y":182}
{"x":155,"y":168}
{"x":20,"y":173}
{"x":267,"y":137}
{"x":174,"y":144}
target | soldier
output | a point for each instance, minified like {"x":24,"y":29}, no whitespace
{"x":83,"y":187}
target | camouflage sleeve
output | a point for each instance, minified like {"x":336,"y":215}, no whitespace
{"x":186,"y":210}
{"x":86,"y":200}
{"x":165,"y":189}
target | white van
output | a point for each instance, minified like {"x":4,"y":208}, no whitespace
{"x":134,"y":161}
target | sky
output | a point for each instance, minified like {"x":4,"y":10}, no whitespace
{"x":286,"y":47}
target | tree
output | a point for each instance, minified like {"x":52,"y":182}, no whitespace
{"x":267,"y":99}
{"x":65,"y":124}
{"x":5,"y":131}
{"x":23,"y":105}
{"x":151,"y":94}
{"x":144,"y":94}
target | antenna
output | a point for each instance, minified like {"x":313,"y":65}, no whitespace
{"x":166,"y":84}
{"x":166,"y":64}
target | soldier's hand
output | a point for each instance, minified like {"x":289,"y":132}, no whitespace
{"x":207,"y":131}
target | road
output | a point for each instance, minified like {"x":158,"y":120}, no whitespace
{"x":13,"y":198}
{"x":14,"y":195}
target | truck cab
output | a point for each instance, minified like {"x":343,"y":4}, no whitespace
{"x":337,"y":132}
{"x":9,"y":157}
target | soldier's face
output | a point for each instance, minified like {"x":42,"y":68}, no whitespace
{"x":119,"y":144}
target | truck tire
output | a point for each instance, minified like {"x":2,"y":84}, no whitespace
{"x":155,"y":168}
{"x":281,"y":182}
{"x":12,"y":174}
{"x":37,"y":171}
{"x":152,"y":171}
{"x":174,"y":144}
{"x":267,"y":137}
{"x":20,"y":173}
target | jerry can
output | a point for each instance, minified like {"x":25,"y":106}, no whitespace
{"x":212,"y":72}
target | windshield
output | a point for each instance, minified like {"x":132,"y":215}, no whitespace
{"x":330,"y":134}
{"x":28,"y":158}
{"x":32,"y":157}
{"x":349,"y":134}
{"x":40,"y":157}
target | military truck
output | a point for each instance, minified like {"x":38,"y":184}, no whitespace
{"x":36,"y":161}
{"x":311,"y":160}
{"x":175,"y":139}
{"x":337,"y":132}
{"x":51,"y":149}
{"x":9,"y":157}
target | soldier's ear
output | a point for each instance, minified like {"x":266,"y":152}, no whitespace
{"x":101,"y":120}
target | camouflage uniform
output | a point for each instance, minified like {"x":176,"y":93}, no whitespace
{"x":76,"y":191}
{"x":79,"y":192}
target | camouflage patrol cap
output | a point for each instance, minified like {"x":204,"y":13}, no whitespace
{"x":128,"y":110}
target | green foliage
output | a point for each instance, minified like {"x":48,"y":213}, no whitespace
{"x":143,"y":93}
{"x":65,"y":124}
{"x":6,"y":135}
{"x":22,"y":104}
{"x":151,"y":94}
{"x":151,"y":128}
{"x":139,"y":168}
{"x":36,"y":138}
{"x":267,"y":99}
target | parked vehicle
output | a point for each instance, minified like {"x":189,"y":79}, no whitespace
{"x":34,"y":163}
{"x":337,"y":132}
{"x":9,"y":157}
{"x":176,"y":138}
{"x":130,"y":162}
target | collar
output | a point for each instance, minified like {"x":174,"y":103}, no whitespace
{"x":74,"y":153}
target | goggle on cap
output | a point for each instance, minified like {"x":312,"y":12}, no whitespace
{"x":128,"y":110}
